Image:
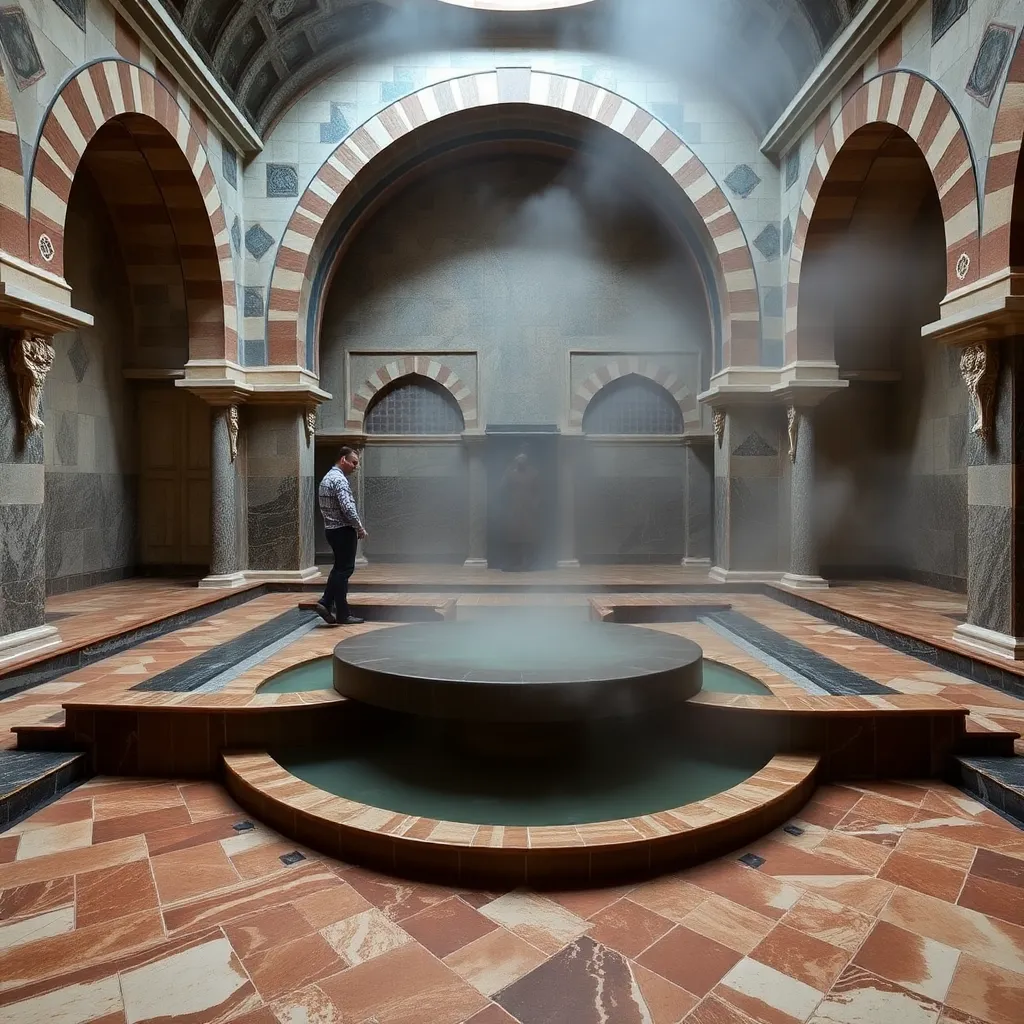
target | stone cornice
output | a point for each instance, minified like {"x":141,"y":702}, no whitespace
{"x":154,"y":25}
{"x":987,"y":310}
{"x":36,"y":300}
{"x":869,"y":27}
{"x":798,"y":383}
{"x":220,"y":381}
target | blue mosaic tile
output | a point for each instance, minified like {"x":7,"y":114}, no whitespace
{"x":236,"y":235}
{"x":945,"y":14}
{"x":768,"y":242}
{"x":229,"y":165}
{"x":336,"y":128}
{"x":742,"y":180}
{"x":282,"y":181}
{"x":390,"y":92}
{"x":254,"y":352}
{"x":253,"y":301}
{"x":258,"y":241}
{"x":75,"y":10}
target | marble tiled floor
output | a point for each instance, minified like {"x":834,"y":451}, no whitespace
{"x":126,"y":901}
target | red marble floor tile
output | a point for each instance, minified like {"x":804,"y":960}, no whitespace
{"x":746,"y":886}
{"x":62,"y":813}
{"x":196,"y":871}
{"x":996,"y":899}
{"x":824,"y":919}
{"x":627,"y":927}
{"x":671,"y":897}
{"x":265,"y":861}
{"x":396,"y":898}
{"x":713,"y":1011}
{"x":737,"y":927}
{"x":918,"y":964}
{"x":447,"y":926}
{"x":334,"y":904}
{"x":923,"y":875}
{"x":114,"y":892}
{"x":781,"y":859}
{"x":999,"y":868}
{"x":278,"y":969}
{"x":810,"y":960}
{"x":666,"y":1003}
{"x":492,"y":1014}
{"x":405,"y":986}
{"x":272,"y":927}
{"x":186,"y":834}
{"x":8,"y":848}
{"x":36,"y":898}
{"x":855,"y":851}
{"x":206,"y":800}
{"x":989,"y":993}
{"x":859,"y":995}
{"x":691,"y":961}
{"x":138,"y":824}
{"x":869,"y":811}
{"x":947,"y":852}
{"x":587,"y":902}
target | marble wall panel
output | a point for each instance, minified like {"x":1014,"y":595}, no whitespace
{"x":22,"y":568}
{"x":417,"y":518}
{"x":699,"y":498}
{"x":273,"y":523}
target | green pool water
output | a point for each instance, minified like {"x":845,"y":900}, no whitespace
{"x":412,"y":767}
{"x":317,"y":675}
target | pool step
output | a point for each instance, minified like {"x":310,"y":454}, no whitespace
{"x":987,"y":741}
{"x":995,"y":781}
{"x":51,"y":735}
{"x":29,"y":779}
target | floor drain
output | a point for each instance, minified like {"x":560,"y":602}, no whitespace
{"x":750,"y":859}
{"x":292,"y":858}
{"x":793,"y":830}
{"x":243,"y":826}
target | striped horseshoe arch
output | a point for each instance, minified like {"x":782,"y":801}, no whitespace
{"x":409,"y":366}
{"x":13,"y":225}
{"x":296,"y":262}
{"x":97,"y":94}
{"x":639,"y":367}
{"x":908,"y":101}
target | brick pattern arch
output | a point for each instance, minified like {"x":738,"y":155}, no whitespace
{"x":908,"y":101}
{"x":637,"y":367}
{"x":13,"y":223}
{"x":1001,"y":172}
{"x":94,"y":96}
{"x":295,"y":265}
{"x":408,"y":366}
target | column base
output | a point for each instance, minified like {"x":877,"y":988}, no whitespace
{"x":794,"y":581}
{"x":28,"y":642}
{"x":475,"y":563}
{"x":1000,"y":645}
{"x":282,"y":575}
{"x":568,"y":563}
{"x":720,"y":575}
{"x":696,"y":563}
{"x":223,"y":581}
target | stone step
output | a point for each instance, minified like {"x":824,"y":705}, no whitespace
{"x":31,"y":778}
{"x":997,"y":782}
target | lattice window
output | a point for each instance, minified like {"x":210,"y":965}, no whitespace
{"x":633,"y":405}
{"x":414,"y":405}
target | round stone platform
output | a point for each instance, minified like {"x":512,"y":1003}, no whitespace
{"x":518,"y":672}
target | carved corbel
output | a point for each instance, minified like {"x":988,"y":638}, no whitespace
{"x":793,"y":426}
{"x":718,"y":422}
{"x":310,"y":421}
{"x":30,"y":357}
{"x":979,"y":367}
{"x":233,"y":431}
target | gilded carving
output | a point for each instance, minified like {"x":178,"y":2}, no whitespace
{"x":979,"y":367}
{"x":718,"y":421}
{"x":29,"y":361}
{"x":310,"y":426}
{"x":233,"y":431}
{"x":793,"y":426}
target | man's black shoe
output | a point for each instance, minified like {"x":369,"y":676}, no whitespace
{"x":325,"y":615}
{"x":351,"y":620}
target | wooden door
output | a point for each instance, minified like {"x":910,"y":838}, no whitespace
{"x":174,"y":478}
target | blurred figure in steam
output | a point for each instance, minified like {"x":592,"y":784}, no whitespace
{"x":344,"y":528}
{"x":520,"y":506}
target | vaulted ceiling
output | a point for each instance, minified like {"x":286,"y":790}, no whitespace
{"x":268,"y":52}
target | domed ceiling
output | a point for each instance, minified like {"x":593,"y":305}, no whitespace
{"x":268,"y":52}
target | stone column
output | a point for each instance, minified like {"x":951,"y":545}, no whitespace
{"x":803,"y":549}
{"x":26,"y":361}
{"x":994,"y":376}
{"x":476,"y":557}
{"x":225,"y":567}
{"x":699,"y":481}
{"x":567,"y":447}
{"x":360,"y":496}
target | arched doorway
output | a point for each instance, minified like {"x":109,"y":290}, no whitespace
{"x":128,"y":453}
{"x":891,"y":450}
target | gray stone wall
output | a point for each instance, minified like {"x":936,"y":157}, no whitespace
{"x":631,"y":502}
{"x":91,"y":521}
{"x":501,"y":260}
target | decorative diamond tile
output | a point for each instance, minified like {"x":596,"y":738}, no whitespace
{"x":390,"y":92}
{"x":792,"y":167}
{"x":229,"y":162}
{"x":990,"y":63}
{"x":258,"y":241}
{"x":78,"y":356}
{"x":67,"y":439}
{"x":755,"y":445}
{"x":236,"y":235}
{"x":337,"y":128}
{"x":254,"y":352}
{"x":75,"y":10}
{"x":768,"y":242}
{"x":20,"y":46}
{"x":945,"y":14}
{"x":282,"y":181}
{"x":787,"y":235}
{"x":742,"y":180}
{"x":253,"y":302}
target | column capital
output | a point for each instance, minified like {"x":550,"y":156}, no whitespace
{"x":33,"y":299}
{"x":986,"y":310}
{"x":223,"y":382}
{"x":804,"y":381}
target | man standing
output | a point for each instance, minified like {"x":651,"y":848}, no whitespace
{"x":344,"y":528}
